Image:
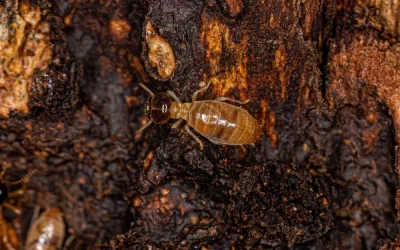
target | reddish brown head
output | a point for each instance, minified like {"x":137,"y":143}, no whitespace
{"x":158,"y":108}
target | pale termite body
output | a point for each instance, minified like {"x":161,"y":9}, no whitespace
{"x":216,"y":120}
{"x":47,"y":232}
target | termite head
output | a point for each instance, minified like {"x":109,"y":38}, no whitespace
{"x":158,"y":108}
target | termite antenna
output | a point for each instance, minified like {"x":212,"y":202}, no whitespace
{"x":23,"y":179}
{"x":146,"y":88}
{"x":144,"y":127}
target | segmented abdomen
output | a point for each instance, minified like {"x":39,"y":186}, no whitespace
{"x":224,"y":123}
{"x":47,"y":232}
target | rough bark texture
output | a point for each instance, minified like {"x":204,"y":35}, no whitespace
{"x":321,"y":77}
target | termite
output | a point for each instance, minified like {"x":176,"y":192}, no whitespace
{"x":47,"y":232}
{"x":7,"y":235}
{"x":219,"y":122}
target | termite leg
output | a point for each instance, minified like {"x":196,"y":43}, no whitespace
{"x":14,"y":209}
{"x":177,"y":123}
{"x":194,"y":96}
{"x":5,"y":240}
{"x":146,"y":88}
{"x":172,"y":94}
{"x":224,"y":99}
{"x":215,"y":142}
{"x":194,"y":136}
{"x":15,"y":193}
{"x":35,"y":215}
{"x":144,"y":127}
{"x":68,"y":242}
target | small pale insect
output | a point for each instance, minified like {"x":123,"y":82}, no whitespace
{"x":216,"y":120}
{"x":47,"y":232}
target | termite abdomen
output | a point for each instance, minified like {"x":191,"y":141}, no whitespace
{"x":47,"y":232}
{"x":223,"y":123}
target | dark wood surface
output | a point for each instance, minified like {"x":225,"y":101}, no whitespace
{"x":321,"y":77}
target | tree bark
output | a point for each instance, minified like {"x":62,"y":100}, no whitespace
{"x":320,"y":76}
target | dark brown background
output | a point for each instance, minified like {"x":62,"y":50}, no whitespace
{"x":322,"y":80}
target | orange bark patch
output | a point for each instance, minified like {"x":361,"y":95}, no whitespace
{"x":233,"y":7}
{"x":389,"y":12}
{"x":374,"y":62}
{"x":12,"y":236}
{"x":120,"y":28}
{"x":370,"y":139}
{"x":269,"y":121}
{"x":280,"y":64}
{"x":226,"y":59}
{"x":147,"y":161}
{"x":160,"y":53}
{"x":24,"y":47}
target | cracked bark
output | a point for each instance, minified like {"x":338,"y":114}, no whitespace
{"x":322,"y":80}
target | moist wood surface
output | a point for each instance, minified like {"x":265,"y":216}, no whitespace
{"x":322,"y":176}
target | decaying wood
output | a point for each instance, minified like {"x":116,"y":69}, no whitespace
{"x":35,"y":68}
{"x":388,"y":16}
{"x":273,"y":53}
{"x":322,"y":80}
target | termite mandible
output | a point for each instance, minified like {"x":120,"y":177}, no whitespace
{"x":219,"y":122}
